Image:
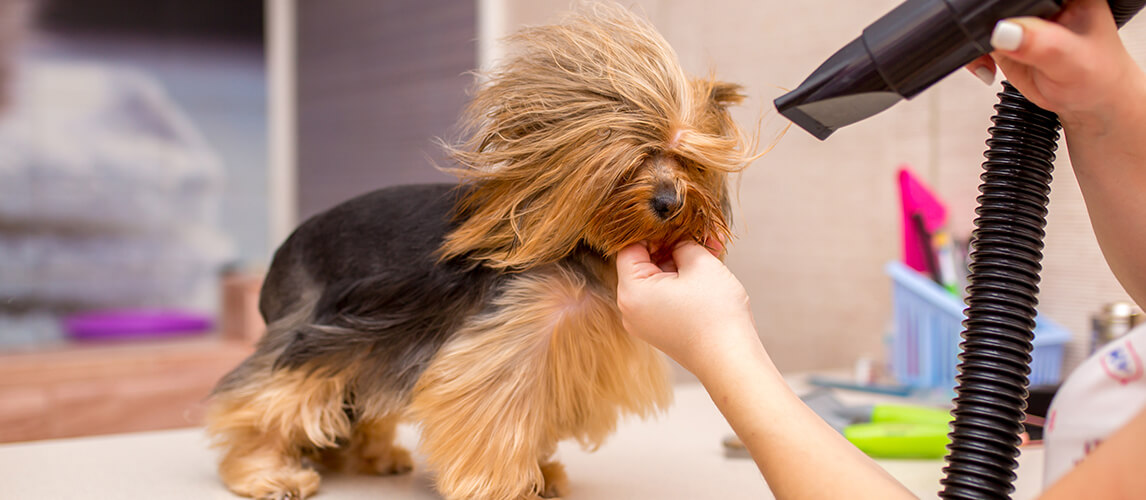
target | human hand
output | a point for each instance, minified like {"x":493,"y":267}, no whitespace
{"x":1074,"y":65}
{"x":691,"y":308}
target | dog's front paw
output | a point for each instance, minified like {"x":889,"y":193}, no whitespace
{"x":397,"y":460}
{"x":556,"y":482}
{"x":284,"y":484}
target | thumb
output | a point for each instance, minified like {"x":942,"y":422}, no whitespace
{"x":634,"y":263}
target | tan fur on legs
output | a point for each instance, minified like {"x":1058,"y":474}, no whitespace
{"x":265,"y":425}
{"x":551,"y":362}
{"x":556,"y":481}
{"x":372,"y":450}
{"x":264,"y":467}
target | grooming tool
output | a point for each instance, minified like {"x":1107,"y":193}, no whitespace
{"x":897,"y":57}
{"x":886,"y":389}
{"x":885,"y":430}
{"x":923,"y":215}
{"x":734,"y":447}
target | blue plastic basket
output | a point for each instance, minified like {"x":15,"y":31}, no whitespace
{"x":928,"y":324}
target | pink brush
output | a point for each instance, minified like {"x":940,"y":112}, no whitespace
{"x":919,"y":205}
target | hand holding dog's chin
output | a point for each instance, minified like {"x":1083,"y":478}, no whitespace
{"x":692,"y":308}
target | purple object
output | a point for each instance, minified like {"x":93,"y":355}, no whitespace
{"x":134,"y":324}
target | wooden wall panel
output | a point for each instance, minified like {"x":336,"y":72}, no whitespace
{"x":377,"y":83}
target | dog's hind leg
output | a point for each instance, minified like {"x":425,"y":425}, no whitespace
{"x":556,"y":482}
{"x":267,"y":421}
{"x":372,"y":449}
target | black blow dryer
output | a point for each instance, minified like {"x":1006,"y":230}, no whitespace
{"x":897,"y":57}
{"x":905,"y":52}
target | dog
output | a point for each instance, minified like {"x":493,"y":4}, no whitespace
{"x":485,"y":311}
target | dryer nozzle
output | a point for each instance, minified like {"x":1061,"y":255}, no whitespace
{"x":897,"y":57}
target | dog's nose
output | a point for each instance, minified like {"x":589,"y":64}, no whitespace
{"x":665,"y":202}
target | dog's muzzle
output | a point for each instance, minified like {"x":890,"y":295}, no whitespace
{"x":665,"y":202}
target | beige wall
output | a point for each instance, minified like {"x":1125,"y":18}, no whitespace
{"x":817,"y":220}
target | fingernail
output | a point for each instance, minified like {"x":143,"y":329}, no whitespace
{"x":1007,"y":36}
{"x":984,"y":73}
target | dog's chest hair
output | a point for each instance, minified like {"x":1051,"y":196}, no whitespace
{"x":552,"y":337}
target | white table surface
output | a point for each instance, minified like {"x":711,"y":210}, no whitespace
{"x":677,"y":456}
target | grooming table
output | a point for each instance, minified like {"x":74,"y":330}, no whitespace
{"x":677,"y":456}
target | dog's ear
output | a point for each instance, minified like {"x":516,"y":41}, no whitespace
{"x":711,"y":99}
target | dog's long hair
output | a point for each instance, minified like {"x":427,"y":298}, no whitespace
{"x":486,"y":312}
{"x":592,"y":99}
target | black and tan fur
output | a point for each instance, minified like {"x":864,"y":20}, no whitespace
{"x":485,"y":312}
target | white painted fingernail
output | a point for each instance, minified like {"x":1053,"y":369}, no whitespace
{"x":984,"y":73}
{"x":1007,"y":36}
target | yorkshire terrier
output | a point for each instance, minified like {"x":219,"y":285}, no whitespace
{"x":485,"y":312}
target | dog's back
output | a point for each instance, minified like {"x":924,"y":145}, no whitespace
{"x":391,"y":231}
{"x":354,"y":282}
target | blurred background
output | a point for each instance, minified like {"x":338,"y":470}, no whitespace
{"x":153,"y":153}
{"x":135,"y":157}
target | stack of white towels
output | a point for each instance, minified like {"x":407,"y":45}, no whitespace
{"x":109,"y":198}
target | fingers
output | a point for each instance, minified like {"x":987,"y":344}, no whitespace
{"x":1036,"y":42}
{"x":1053,"y":47}
{"x":690,"y":255}
{"x":1019,"y":75}
{"x":983,"y":68}
{"x":714,"y":245}
{"x":634,"y":263}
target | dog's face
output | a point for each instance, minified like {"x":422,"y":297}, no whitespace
{"x":592,"y":135}
{"x":665,"y":200}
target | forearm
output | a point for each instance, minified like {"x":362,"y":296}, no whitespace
{"x":1109,"y":159}
{"x":799,"y":455}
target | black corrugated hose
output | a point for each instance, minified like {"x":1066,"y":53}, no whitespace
{"x":1007,"y":244}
